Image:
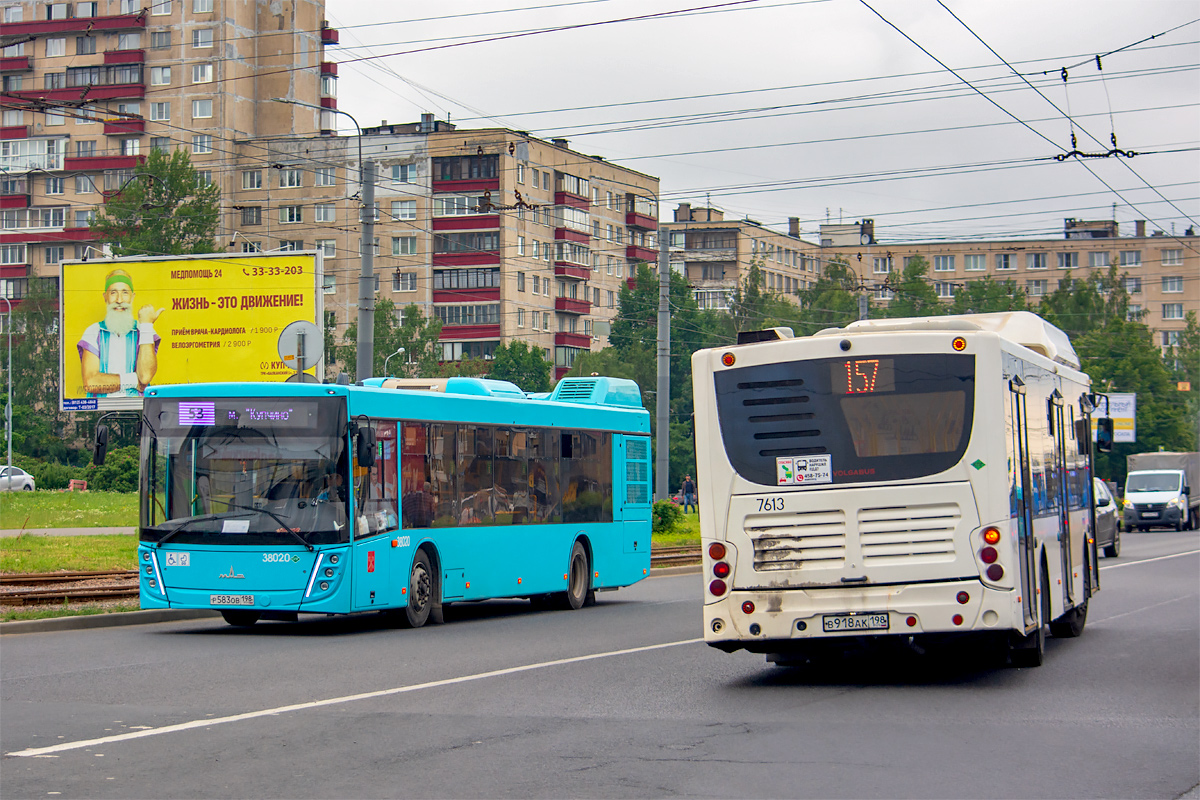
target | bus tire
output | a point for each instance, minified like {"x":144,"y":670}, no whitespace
{"x":1113,"y":550}
{"x":1030,"y":651}
{"x":579,"y":579}
{"x":1070,"y":624}
{"x":420,"y":591}
{"x":241,"y":619}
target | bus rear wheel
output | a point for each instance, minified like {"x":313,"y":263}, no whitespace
{"x":1070,"y":624}
{"x":579,"y":580}
{"x":241,"y":619}
{"x":420,"y":591}
{"x":1030,"y":651}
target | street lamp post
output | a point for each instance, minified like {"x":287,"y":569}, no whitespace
{"x":398,"y":352}
{"x":365,"y":354}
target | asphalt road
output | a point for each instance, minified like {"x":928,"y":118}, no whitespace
{"x":619,"y":700}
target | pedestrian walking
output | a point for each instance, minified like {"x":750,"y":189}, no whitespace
{"x":689,"y":494}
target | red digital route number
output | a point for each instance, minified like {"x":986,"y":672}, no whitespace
{"x":861,"y":376}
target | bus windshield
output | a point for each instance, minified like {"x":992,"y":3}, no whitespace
{"x":879,"y":418}
{"x":245,"y":471}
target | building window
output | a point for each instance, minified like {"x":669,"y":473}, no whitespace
{"x":204,"y":177}
{"x":975,"y":262}
{"x":202,"y":6}
{"x":56,"y":47}
{"x":85,"y":45}
{"x":1132,"y":285}
{"x":325,"y":212}
{"x":1172,"y":284}
{"x":329,"y":283}
{"x":520,"y":281}
{"x":84,"y":184}
{"x":1098,"y":259}
{"x":201,"y":144}
{"x":129,"y":41}
{"x":160,"y":76}
{"x":1172,"y":258}
{"x":201,"y":109}
{"x":251,"y":247}
{"x":54,"y":255}
{"x":55,"y":185}
{"x":611,"y":298}
{"x":159,"y":8}
{"x":202,"y":38}
{"x":288,"y":214}
{"x":12,"y":254}
{"x":1171,"y":338}
{"x":1172,"y":311}
{"x":404,"y":246}
{"x":943,"y":263}
{"x":1037,"y":261}
{"x":1036,"y":288}
{"x":457,"y":206}
{"x":84,"y":217}
{"x":404,"y":281}
{"x":131,"y":6}
{"x":520,"y":173}
{"x":537,"y":285}
{"x":881,"y":264}
{"x":944,"y":289}
{"x":1131,"y":258}
{"x":252,"y":179}
{"x":325,"y":176}
{"x":404,"y":209}
{"x":160,"y":112}
{"x":520,"y":318}
{"x":130,"y":147}
{"x":404,"y":173}
{"x":252,"y":215}
{"x":328,"y":247}
{"x":289,"y":178}
{"x":1005,"y":261}
{"x":520,"y":245}
{"x":296,"y":244}
{"x":1068,"y":260}
{"x":160,"y":40}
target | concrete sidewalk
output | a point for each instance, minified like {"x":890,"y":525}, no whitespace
{"x":65,"y":531}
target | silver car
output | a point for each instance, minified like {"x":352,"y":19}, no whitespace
{"x":1108,"y":532}
{"x":16,"y":479}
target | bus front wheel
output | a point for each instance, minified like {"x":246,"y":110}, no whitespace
{"x":242,"y":619}
{"x":420,"y":591}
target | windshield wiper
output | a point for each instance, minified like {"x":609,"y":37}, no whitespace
{"x":183,"y":525}
{"x":286,"y":528}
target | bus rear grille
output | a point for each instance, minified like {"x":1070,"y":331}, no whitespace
{"x":908,"y":534}
{"x":794,"y":541}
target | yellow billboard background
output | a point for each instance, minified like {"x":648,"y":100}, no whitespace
{"x":221,"y":316}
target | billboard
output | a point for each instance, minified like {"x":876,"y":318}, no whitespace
{"x":128,"y":323}
{"x":1123,"y":410}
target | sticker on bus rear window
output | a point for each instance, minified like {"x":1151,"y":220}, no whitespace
{"x":796,"y":470}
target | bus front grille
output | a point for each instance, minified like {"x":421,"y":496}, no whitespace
{"x":916,"y":534}
{"x":796,"y":541}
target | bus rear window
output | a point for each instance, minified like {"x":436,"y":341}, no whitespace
{"x":866,"y":419}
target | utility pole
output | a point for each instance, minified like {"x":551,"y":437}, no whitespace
{"x":366,"y":279}
{"x":662,"y":398}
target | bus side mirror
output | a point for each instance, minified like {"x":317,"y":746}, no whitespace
{"x":1104,"y":434}
{"x":100,"y":447}
{"x":366,"y":447}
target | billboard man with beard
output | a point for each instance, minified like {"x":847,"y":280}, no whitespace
{"x":119,"y":354}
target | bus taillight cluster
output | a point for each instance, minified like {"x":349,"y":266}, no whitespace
{"x":721,"y":569}
{"x":989,"y":554}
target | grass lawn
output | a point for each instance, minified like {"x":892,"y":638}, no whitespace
{"x":37,"y":553}
{"x":68,"y":509}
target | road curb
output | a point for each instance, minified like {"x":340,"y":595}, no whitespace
{"x":176,"y":614}
{"x":104,"y":620}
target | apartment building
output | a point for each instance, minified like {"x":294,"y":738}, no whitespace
{"x":89,"y":88}
{"x":715,"y":254}
{"x":498,"y":234}
{"x":1161,"y":272}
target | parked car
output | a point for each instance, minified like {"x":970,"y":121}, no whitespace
{"x":14,"y":478}
{"x":1108,"y":532}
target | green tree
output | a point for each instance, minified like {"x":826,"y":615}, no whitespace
{"x":163,"y":210}
{"x":915,"y":297}
{"x":1081,"y":305}
{"x":832,"y":302}
{"x":753,"y":307}
{"x":523,"y":365}
{"x":416,"y":333}
{"x":988,"y":295}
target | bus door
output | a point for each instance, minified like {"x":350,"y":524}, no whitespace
{"x":1065,"y":540}
{"x":1027,"y":550}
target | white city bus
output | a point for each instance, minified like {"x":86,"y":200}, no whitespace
{"x":908,"y":478}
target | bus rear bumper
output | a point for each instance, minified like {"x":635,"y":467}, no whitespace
{"x":744,"y":618}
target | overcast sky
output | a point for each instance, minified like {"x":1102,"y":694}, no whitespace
{"x":820,"y":109}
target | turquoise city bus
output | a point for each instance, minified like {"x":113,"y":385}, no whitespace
{"x":270,"y":500}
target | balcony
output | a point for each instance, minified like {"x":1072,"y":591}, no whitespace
{"x":571,"y":199}
{"x":101,"y":162}
{"x":329,"y":68}
{"x":571,"y":305}
{"x":75,"y":94}
{"x":568,"y":235}
{"x":14,"y":132}
{"x":16,"y":64}
{"x":124,"y":56}
{"x":14,"y":200}
{"x":328,"y":35}
{"x":480,"y":295}
{"x":565,"y":270}
{"x":49,"y":27}
{"x":452,"y":333}
{"x":124,"y":127}
{"x":467,"y":185}
{"x":643,"y":221}
{"x":573,"y":340}
{"x":470,"y":222}
{"x":42,"y":235}
{"x":635,"y":252}
{"x":329,"y":103}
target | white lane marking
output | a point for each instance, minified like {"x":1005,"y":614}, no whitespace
{"x":204,"y":723}
{"x":1143,"y":608}
{"x":1148,"y":560}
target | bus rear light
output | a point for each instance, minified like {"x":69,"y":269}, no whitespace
{"x":963,"y":598}
{"x":728,"y":359}
{"x":991,"y":535}
{"x":748,"y":607}
{"x":721,"y":569}
{"x":988,"y":555}
{"x":717,"y":588}
{"x":957,"y":619}
{"x":995,"y":572}
{"x":716,"y":551}
{"x":911,"y":622}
